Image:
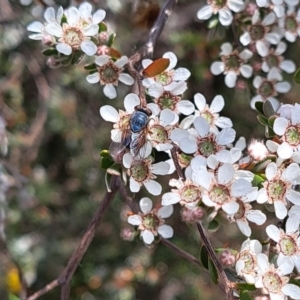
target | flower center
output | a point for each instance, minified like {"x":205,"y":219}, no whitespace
{"x":249,"y":261}
{"x":257,"y":32}
{"x":150,"y":222}
{"x":109,"y":73}
{"x":163,"y":78}
{"x":124,"y":121}
{"x":217,"y":5}
{"x":288,"y":246}
{"x":272,"y":282}
{"x":219,"y":194}
{"x":190,"y":193}
{"x":207,"y":146}
{"x":158,"y":134}
{"x":167,"y":100}
{"x":292,"y":136}
{"x":73,"y":36}
{"x":291,"y":24}
{"x":266,"y":89}
{"x":208,"y":117}
{"x":232,"y":63}
{"x":139,"y":171}
{"x":276,"y":189}
{"x":272,"y":61}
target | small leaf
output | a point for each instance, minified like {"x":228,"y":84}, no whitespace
{"x":104,"y":153}
{"x":212,"y":272}
{"x":269,"y":133}
{"x":257,"y":180}
{"x":108,"y":178}
{"x":213,"y":22}
{"x":262,"y":120}
{"x":106,"y":163}
{"x":50,"y":52}
{"x":77,"y":57}
{"x":111,"y":39}
{"x":244,"y":295}
{"x":204,"y":257}
{"x":90,"y":67}
{"x":114,"y":170}
{"x":102,"y":27}
{"x":297,"y":76}
{"x":271,"y":121}
{"x":213,"y":226}
{"x":156,"y":67}
{"x":13,"y":297}
{"x":259,"y":107}
{"x":246,"y":286}
{"x":268,"y":109}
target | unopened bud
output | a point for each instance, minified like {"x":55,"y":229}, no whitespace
{"x":192,"y":215}
{"x":103,"y":37}
{"x":227,"y":258}
{"x":127,"y":234}
{"x":251,"y":8}
{"x":103,"y":50}
{"x":257,"y":150}
{"x":48,"y":40}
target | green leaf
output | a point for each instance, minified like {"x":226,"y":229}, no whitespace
{"x":212,"y":23}
{"x":244,"y":295}
{"x":269,"y":132}
{"x":297,"y":76}
{"x":13,"y":297}
{"x":102,"y":27}
{"x":213,"y":226}
{"x":77,"y":57}
{"x":268,"y":109}
{"x":257,"y":180}
{"x":259,"y":107}
{"x":204,"y":257}
{"x":106,"y":163}
{"x":295,"y":281}
{"x":262,"y":120}
{"x":271,"y":120}
{"x":111,"y":39}
{"x":90,"y":67}
{"x":212,"y":272}
{"x":50,"y":52}
{"x":246,"y":286}
{"x":115,"y":170}
{"x":105,"y":154}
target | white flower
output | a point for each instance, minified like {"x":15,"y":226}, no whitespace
{"x":276,"y":5}
{"x":159,"y":130}
{"x":277,"y":189}
{"x":223,"y":8}
{"x":272,"y":280}
{"x":288,"y":242}
{"x":246,"y":262}
{"x":76,"y":33}
{"x":109,"y":74}
{"x":202,"y":141}
{"x":258,"y":33}
{"x":142,"y":172}
{"x":151,"y":221}
{"x":246,"y":213}
{"x":222,"y":190}
{"x":232,"y":65}
{"x":267,"y":88}
{"x":170,"y":97}
{"x":210,"y":113}
{"x":290,"y":23}
{"x":188,"y":193}
{"x":38,"y":28}
{"x":169,"y":75}
{"x":274,"y":60}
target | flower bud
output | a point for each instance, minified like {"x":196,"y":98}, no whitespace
{"x":192,"y":215}
{"x":127,"y":234}
{"x":103,"y":37}
{"x":257,"y":150}
{"x":227,"y":258}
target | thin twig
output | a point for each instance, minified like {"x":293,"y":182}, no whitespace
{"x":212,"y":255}
{"x":177,"y":166}
{"x":157,"y":28}
{"x":64,"y":279}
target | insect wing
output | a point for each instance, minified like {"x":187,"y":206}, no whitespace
{"x":140,"y":148}
{"x":118,"y":146}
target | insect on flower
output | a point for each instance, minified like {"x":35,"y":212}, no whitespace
{"x":133,"y":135}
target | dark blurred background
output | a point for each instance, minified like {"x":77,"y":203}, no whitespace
{"x":52,"y":175}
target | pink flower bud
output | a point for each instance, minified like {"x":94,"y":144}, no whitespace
{"x":103,"y":37}
{"x":227,"y":258}
{"x":127,"y":234}
{"x":192,"y":215}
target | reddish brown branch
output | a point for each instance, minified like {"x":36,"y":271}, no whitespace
{"x":64,"y":279}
